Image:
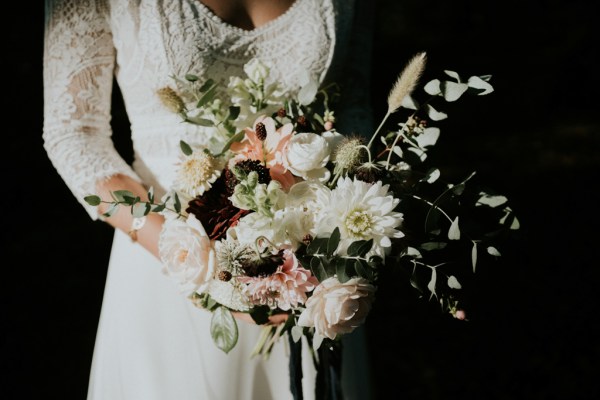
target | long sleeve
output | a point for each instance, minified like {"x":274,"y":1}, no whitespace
{"x":79,"y":60}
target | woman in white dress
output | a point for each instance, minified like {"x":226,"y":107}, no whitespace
{"x":152,"y":343}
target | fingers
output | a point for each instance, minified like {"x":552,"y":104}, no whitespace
{"x":273,"y":319}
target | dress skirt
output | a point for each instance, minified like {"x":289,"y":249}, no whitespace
{"x":154,"y":344}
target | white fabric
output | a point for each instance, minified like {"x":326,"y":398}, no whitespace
{"x":152,"y":343}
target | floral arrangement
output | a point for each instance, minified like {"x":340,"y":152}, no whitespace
{"x":278,"y":212}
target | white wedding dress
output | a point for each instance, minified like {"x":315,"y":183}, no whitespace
{"x":152,"y":343}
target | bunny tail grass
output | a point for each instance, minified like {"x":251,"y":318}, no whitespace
{"x":407,"y":81}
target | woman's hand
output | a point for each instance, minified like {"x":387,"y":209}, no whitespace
{"x":275,"y":319}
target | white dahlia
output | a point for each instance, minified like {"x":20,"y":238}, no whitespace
{"x":362,"y":211}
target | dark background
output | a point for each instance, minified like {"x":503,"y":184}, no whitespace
{"x":535,"y":139}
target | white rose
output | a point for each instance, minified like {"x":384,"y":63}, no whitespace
{"x":187,"y":254}
{"x":306,"y":156}
{"x":337,"y":308}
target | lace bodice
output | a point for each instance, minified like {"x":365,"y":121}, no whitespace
{"x":144,"y":43}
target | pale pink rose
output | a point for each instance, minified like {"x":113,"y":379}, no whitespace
{"x":286,"y":288}
{"x":337,"y":308}
{"x":187,"y":254}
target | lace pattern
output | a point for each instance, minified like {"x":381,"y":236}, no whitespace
{"x":143,"y":43}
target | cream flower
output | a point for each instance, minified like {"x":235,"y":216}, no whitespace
{"x":302,"y":209}
{"x":307,"y":155}
{"x":187,"y":254}
{"x":286,"y":288}
{"x":337,"y":308}
{"x":197,"y":172}
{"x":362,"y":211}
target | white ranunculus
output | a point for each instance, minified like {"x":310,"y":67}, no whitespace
{"x":306,"y":156}
{"x":338,"y":308}
{"x":187,"y":254}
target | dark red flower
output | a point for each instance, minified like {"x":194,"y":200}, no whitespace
{"x":214,"y":210}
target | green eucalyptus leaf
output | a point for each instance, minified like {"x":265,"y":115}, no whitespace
{"x":398,"y":151}
{"x":454,"y":231}
{"x":333,"y":242}
{"x":431,"y":176}
{"x":360,"y":248}
{"x":158,"y":207}
{"x":139,"y":210}
{"x":375,"y":262}
{"x":317,"y":269}
{"x":235,"y":138}
{"x":428,"y":138}
{"x":111,"y":210}
{"x":414,"y":282}
{"x":223,"y":329}
{"x":123,"y":196}
{"x":185,"y":148}
{"x":199,"y":121}
{"x":493,"y":251}
{"x":412,"y":252}
{"x":317,"y":246}
{"x":433,"y":87}
{"x":93,"y":200}
{"x":420,"y":153}
{"x":340,"y":270}
{"x":474,"y":256}
{"x":207,"y":96}
{"x":409,"y":102}
{"x":362,"y":269}
{"x":191,"y":77}
{"x":452,"y":90}
{"x":434,"y":114}
{"x":176,"y":203}
{"x":433,"y":245}
{"x":490,"y":200}
{"x":432,"y":282}
{"x":453,"y":282}
{"x":477,"y":82}
{"x":510,"y":219}
{"x":207,"y":85}
{"x":453,"y":74}
{"x":458,"y":189}
{"x":151,"y":194}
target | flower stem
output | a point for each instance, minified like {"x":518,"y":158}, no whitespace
{"x":378,"y":129}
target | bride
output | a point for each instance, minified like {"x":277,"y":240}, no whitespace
{"x":152,"y":343}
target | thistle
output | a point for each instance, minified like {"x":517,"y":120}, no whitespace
{"x":405,"y":84}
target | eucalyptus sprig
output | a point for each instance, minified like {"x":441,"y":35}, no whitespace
{"x":139,"y":208}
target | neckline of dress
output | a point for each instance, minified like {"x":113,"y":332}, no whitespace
{"x":218,"y":20}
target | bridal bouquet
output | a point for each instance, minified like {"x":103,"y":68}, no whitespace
{"x":278,"y":212}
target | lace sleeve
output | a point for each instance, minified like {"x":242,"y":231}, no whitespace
{"x":78,"y":74}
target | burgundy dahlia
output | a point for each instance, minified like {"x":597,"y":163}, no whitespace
{"x":214,"y":210}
